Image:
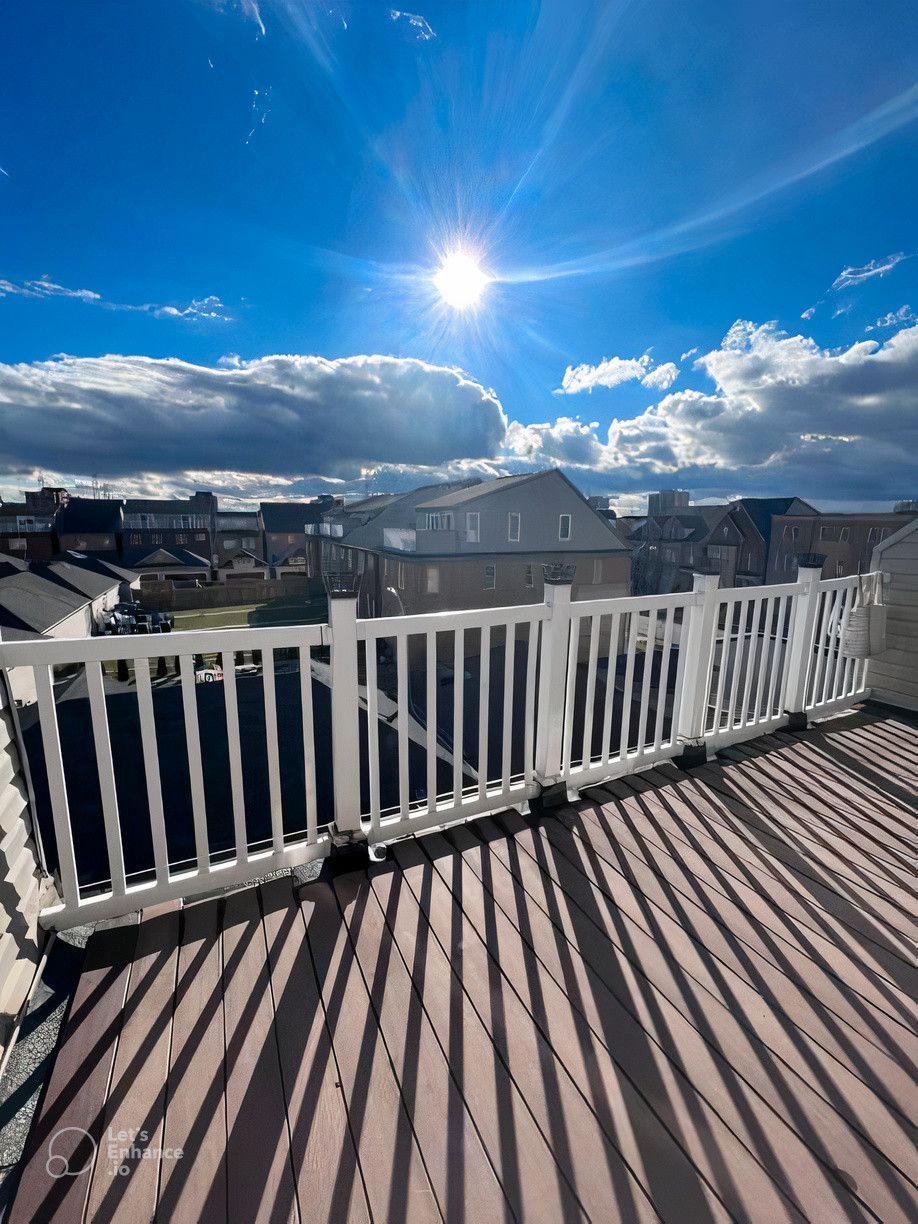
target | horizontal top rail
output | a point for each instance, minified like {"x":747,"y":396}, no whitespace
{"x":441,"y":622}
{"x":36,"y":651}
{"x":740,"y":594}
{"x":634,"y":603}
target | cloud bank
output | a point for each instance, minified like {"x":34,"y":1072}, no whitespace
{"x":771,"y":413}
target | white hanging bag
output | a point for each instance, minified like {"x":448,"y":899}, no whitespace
{"x":865,"y":632}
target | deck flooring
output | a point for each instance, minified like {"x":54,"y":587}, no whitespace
{"x":686,"y":997}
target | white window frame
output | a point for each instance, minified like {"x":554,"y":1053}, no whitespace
{"x":472,"y":534}
{"x":844,"y":535}
{"x":511,"y":514}
{"x":570,"y":527}
{"x":530,"y":576}
{"x":490,"y":570}
{"x":432,"y":580}
{"x":839,"y":569}
{"x":597,"y":571}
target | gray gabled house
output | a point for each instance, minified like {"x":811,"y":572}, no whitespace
{"x":479,"y":544}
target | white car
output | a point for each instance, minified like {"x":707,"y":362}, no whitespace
{"x":208,"y":675}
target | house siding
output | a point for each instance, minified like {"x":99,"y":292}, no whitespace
{"x":893,"y":675}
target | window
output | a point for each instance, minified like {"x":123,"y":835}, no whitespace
{"x":433,"y":580}
{"x":513,"y":527}
{"x":529,"y":576}
{"x":795,"y":533}
{"x":472,"y":533}
{"x":839,"y":569}
{"x":844,"y":534}
{"x":400,"y":576}
{"x":229,"y":545}
{"x":185,"y":521}
{"x":872,"y":535}
{"x":25,"y":522}
{"x":490,"y":577}
{"x":825,"y":533}
{"x":597,"y":572}
{"x":439,"y":521}
{"x":564,"y":527}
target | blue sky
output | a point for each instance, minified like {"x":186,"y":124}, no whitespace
{"x":220,"y":222}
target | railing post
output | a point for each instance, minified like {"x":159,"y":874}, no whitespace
{"x":553,"y":672}
{"x":696,"y":648}
{"x":800,"y":651}
{"x":342,"y":618}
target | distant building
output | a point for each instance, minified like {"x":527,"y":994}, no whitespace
{"x":667,"y":501}
{"x":285,"y":525}
{"x":242,"y":565}
{"x":89,"y":524}
{"x":846,"y":541}
{"x":480,"y":544}
{"x":235,"y":530}
{"x":188,"y":522}
{"x":177,"y":565}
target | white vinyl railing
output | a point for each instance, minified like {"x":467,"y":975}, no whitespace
{"x":172,"y":765}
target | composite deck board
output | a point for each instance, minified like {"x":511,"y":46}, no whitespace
{"x":124,"y":1183}
{"x":393,"y":1171}
{"x":260,"y":1183}
{"x":761,"y":922}
{"x":329,"y":1185}
{"x":786,"y":1071}
{"x":194,"y":1188}
{"x":685,"y":997}
{"x":76,"y":1092}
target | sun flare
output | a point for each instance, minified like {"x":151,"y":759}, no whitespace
{"x":460,"y":281}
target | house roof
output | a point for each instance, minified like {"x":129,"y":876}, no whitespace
{"x":241,"y":552}
{"x":161,"y":505}
{"x":88,"y":515}
{"x":290,"y":516}
{"x":761,"y":509}
{"x":896,"y":538}
{"x":32,"y":602}
{"x":481,"y":488}
{"x":237,"y":520}
{"x":98,"y":564}
{"x":84,"y":581}
{"x":156,"y":558}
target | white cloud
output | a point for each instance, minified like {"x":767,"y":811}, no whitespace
{"x":292,"y":416}
{"x":894,"y":318}
{"x":420,"y":25}
{"x":210,"y":307}
{"x":611,"y":372}
{"x":662,"y":377}
{"x":689,"y":353}
{"x":809,"y":312}
{"x":876,"y":267}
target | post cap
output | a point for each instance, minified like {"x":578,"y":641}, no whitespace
{"x":811,"y":560}
{"x":558,"y":573}
{"x":341,"y":584}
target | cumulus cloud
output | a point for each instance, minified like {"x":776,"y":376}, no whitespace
{"x":876,"y":267}
{"x":210,"y":307}
{"x":894,"y":318}
{"x":662,"y":377}
{"x":287,"y":415}
{"x":420,"y":26}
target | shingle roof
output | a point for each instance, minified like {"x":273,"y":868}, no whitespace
{"x":29,"y":601}
{"x":242,"y":552}
{"x":84,"y":581}
{"x":97,"y":564}
{"x":156,"y":558}
{"x":480,"y":489}
{"x":760,"y":510}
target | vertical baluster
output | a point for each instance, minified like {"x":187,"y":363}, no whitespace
{"x":431,"y":678}
{"x":309,"y":743}
{"x":529,"y":705}
{"x":509,"y":667}
{"x":195,"y":772}
{"x":765,"y":607}
{"x":484,"y":700}
{"x":819,"y":665}
{"x":729,"y":610}
{"x":777,"y":660}
{"x":834,"y":645}
{"x":629,"y":681}
{"x":663,"y":680}
{"x":151,"y":769}
{"x":570,"y":693}
{"x":57,"y":787}
{"x":234,"y":743}
{"x":106,"y":771}
{"x":274,"y":787}
{"x":610,"y":687}
{"x":649,"y":650}
{"x":741,"y":661}
{"x":458,"y":712}
{"x":401,"y":662}
{"x":587,"y":751}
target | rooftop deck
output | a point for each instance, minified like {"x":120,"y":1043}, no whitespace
{"x":686,"y":996}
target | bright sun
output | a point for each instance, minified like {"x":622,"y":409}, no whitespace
{"x":460,"y":282}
